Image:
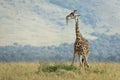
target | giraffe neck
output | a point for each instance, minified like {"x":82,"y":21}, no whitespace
{"x":78,"y":34}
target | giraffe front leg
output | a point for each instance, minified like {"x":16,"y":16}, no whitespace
{"x":73,"y":60}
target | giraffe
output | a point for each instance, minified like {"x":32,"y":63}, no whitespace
{"x":81,"y":45}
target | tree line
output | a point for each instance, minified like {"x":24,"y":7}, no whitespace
{"x":104,"y":48}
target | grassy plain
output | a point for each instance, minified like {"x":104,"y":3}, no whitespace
{"x":58,"y":71}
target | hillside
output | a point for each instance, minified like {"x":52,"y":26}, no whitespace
{"x":104,"y":49}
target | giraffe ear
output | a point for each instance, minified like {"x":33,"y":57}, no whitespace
{"x":66,"y":21}
{"x":67,"y":18}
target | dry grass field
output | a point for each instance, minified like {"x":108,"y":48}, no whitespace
{"x":58,"y":71}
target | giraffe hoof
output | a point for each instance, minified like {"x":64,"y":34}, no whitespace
{"x":88,"y":66}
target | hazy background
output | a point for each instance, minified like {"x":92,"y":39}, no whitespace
{"x":35,"y":30}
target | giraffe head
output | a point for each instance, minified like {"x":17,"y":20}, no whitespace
{"x":72,"y":15}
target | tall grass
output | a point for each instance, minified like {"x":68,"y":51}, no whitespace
{"x":58,"y":71}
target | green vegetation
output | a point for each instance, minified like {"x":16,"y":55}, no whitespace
{"x":58,"y":71}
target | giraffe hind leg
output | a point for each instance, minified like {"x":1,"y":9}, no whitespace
{"x":86,"y":61}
